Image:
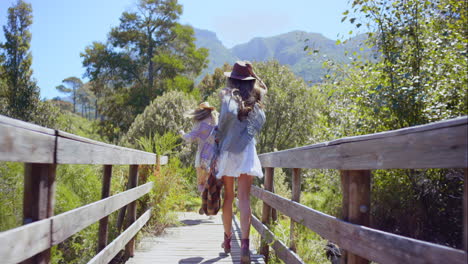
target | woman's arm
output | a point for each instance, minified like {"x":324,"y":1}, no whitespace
{"x":192,"y":136}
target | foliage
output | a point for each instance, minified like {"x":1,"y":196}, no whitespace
{"x":11,"y":195}
{"x":292,"y":109}
{"x":171,"y":184}
{"x":164,"y":114}
{"x":416,"y":78}
{"x":212,"y":83}
{"x":78,"y":125}
{"x":147,"y":54}
{"x":77,"y":185}
{"x":21,"y":93}
{"x":420,"y":75}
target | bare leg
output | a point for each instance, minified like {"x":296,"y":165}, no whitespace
{"x":245,"y":183}
{"x":227,"y":204}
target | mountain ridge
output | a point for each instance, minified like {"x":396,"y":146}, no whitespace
{"x":303,"y":51}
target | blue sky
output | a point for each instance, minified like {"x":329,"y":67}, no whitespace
{"x":63,"y":28}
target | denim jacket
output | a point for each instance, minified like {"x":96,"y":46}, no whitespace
{"x":232,"y":134}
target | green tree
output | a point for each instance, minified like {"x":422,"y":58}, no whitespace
{"x":212,"y":83}
{"x":70,"y":86}
{"x":22,"y":93}
{"x":416,"y":77}
{"x":147,"y":54}
{"x":419,"y":76}
{"x":292,"y":109}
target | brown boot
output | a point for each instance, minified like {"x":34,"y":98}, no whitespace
{"x":245,"y":252}
{"x":227,"y":243}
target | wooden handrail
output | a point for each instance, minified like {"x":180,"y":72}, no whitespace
{"x":438,"y":145}
{"x":24,"y":142}
{"x":42,"y":149}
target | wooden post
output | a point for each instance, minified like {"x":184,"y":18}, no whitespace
{"x":296,"y":197}
{"x":356,"y":203}
{"x":132,"y":210}
{"x":344,"y":207}
{"x":157,"y":171}
{"x":266,"y":211}
{"x":274,"y":213}
{"x":465,"y":212}
{"x":38,"y":199}
{"x":105,"y":192}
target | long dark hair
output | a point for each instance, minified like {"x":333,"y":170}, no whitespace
{"x":247,"y":94}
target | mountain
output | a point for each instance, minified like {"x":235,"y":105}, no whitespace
{"x":295,"y":49}
{"x":219,"y":54}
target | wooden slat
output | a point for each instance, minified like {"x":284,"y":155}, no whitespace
{"x":25,"y":241}
{"x":106,"y":255}
{"x":437,"y":145}
{"x":372,"y":244}
{"x":281,"y":250}
{"x":72,"y":149}
{"x":22,"y":144}
{"x":68,"y":223}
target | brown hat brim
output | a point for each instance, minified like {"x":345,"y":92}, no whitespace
{"x":238,"y":77}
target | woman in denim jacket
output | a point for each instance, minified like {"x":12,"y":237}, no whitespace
{"x":241,"y":118}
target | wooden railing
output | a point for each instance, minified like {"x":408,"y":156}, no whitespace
{"x":42,"y":149}
{"x":437,"y":145}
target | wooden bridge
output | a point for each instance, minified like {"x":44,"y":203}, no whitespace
{"x":437,"y":145}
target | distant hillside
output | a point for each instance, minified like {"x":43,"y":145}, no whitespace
{"x":218,"y":53}
{"x":287,"y":48}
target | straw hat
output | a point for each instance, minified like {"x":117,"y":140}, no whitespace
{"x":206,"y":105}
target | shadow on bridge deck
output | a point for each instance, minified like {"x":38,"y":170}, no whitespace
{"x":197,"y":241}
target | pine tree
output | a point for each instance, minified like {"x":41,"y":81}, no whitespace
{"x":22,"y":93}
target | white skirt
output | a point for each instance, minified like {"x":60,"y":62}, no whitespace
{"x":234,"y":164}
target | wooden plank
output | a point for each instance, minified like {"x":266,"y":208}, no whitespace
{"x":372,"y":244}
{"x":4,"y":120}
{"x":196,"y":240}
{"x":24,"y":145}
{"x":281,"y":250}
{"x":104,"y":222}
{"x":437,"y":145}
{"x":68,"y":223}
{"x":72,"y":149}
{"x":38,"y":199}
{"x":106,"y":255}
{"x":358,"y":204}
{"x":131,"y":216}
{"x":266,"y":210}
{"x":296,"y":197}
{"x":23,"y":242}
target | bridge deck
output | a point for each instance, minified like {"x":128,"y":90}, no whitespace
{"x":197,"y":241}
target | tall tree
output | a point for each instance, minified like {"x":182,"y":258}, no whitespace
{"x":147,"y":54}
{"x":70,"y":86}
{"x":22,"y":93}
